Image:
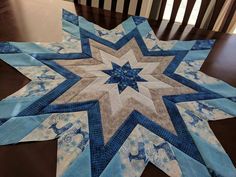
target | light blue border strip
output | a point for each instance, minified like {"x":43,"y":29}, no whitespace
{"x":16,"y":128}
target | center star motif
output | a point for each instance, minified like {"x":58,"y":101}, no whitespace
{"x":124,"y":76}
{"x":123,"y":81}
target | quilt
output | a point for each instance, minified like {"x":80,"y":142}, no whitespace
{"x":117,"y":100}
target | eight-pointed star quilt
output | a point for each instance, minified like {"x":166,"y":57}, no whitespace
{"x":117,"y":100}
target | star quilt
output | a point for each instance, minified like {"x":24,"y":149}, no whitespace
{"x":117,"y":100}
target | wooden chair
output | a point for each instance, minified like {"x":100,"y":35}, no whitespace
{"x":189,"y":8}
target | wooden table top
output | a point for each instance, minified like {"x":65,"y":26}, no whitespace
{"x":40,"y":20}
{"x":27,"y":20}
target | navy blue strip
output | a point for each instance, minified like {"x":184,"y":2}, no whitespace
{"x":69,"y":107}
{"x":42,"y":102}
{"x":61,"y":70}
{"x":184,"y":144}
{"x":192,"y":97}
{"x":59,"y":56}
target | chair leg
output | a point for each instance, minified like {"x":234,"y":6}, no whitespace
{"x":77,"y":1}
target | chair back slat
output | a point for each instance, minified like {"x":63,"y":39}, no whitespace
{"x":216,"y":10}
{"x":89,"y":2}
{"x":101,"y":4}
{"x":154,"y":9}
{"x":158,"y":8}
{"x":113,"y":5}
{"x":162,"y":10}
{"x":188,"y":11}
{"x":126,"y":7}
{"x":202,"y":11}
{"x":229,"y":16}
{"x":138,"y":7}
{"x":175,"y":9}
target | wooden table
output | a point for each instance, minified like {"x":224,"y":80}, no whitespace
{"x":27,"y":20}
{"x":39,"y":20}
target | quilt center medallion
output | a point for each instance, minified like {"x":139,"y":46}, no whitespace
{"x":124,"y":76}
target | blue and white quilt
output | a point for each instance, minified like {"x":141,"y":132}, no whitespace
{"x":118,"y":99}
